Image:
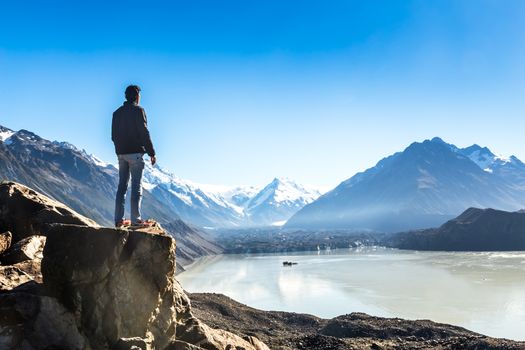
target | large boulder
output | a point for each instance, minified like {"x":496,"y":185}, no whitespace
{"x":118,"y":283}
{"x":25,"y":212}
{"x":121,"y":287}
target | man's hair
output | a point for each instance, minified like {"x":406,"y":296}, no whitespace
{"x":132,"y":92}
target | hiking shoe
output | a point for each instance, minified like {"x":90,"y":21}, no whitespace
{"x":144,"y":223}
{"x":123,"y":223}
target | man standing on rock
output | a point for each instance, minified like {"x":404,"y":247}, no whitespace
{"x":129,"y":132}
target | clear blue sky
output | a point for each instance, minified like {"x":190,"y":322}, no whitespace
{"x":238,"y":92}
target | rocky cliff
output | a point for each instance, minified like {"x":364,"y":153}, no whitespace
{"x":68,"y":284}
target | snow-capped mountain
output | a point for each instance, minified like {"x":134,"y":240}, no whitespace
{"x":484,"y":158}
{"x":223,"y":206}
{"x":188,"y":200}
{"x":423,"y":186}
{"x":508,"y":168}
{"x":202,"y":205}
{"x":237,"y":196}
{"x":278,"y":201}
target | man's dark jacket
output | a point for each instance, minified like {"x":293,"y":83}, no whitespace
{"x":129,"y":130}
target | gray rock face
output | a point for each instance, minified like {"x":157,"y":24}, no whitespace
{"x":25,"y":212}
{"x":119,"y":283}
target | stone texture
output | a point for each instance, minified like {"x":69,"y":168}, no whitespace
{"x":119,"y":283}
{"x":181,"y":345}
{"x":32,"y":268}
{"x":29,"y":248}
{"x":29,"y":321}
{"x":5,"y":241}
{"x":135,"y":343}
{"x":11,"y":277}
{"x":25,"y":212}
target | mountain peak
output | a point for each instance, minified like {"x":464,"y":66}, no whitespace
{"x":437,"y":139}
{"x":282,"y":181}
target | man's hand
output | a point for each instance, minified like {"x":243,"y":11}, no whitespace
{"x":153,"y":160}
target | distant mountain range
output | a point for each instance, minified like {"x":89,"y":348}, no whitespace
{"x":423,"y":186}
{"x":427,"y":184}
{"x":88,"y":185}
{"x":229,"y":207}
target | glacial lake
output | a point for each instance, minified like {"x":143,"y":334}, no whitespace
{"x":481,"y":291}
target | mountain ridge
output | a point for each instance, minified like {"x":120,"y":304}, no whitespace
{"x":423,"y":186}
{"x":226,"y":207}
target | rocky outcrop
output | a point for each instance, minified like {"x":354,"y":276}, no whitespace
{"x":118,"y":282}
{"x":103,"y":288}
{"x":474,"y":230}
{"x":107,"y":288}
{"x":24,"y":212}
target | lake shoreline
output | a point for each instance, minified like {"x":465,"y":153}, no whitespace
{"x":362,"y":292}
{"x":287,"y":330}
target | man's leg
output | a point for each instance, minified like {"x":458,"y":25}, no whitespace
{"x":136,"y":168}
{"x":123,"y":174}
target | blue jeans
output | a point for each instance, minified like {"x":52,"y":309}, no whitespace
{"x":129,"y":164}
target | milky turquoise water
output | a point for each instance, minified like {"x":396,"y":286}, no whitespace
{"x":484,"y":292}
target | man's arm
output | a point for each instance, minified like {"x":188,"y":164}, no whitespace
{"x":113,"y":128}
{"x":144,"y":134}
